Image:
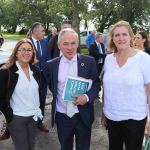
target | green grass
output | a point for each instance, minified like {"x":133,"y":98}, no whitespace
{"x":15,"y":36}
{"x":84,"y":51}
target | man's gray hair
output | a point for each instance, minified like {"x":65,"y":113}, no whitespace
{"x":98,"y":34}
{"x":67,"y":30}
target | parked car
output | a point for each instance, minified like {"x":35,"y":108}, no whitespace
{"x":3,"y":56}
{"x":83,"y":36}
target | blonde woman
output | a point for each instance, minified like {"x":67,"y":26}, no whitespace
{"x":126,"y":84}
{"x":20,"y":102}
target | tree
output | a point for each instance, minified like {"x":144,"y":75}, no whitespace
{"x":10,"y":19}
{"x":102,"y":13}
{"x":107,"y":12}
{"x":136,"y":12}
{"x":68,"y":9}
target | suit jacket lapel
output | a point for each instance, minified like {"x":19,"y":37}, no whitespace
{"x":103,"y":50}
{"x":55,"y":74}
{"x":97,"y":49}
{"x":34,"y":47}
{"x":13,"y":81}
{"x":33,"y":43}
{"x":80,"y":66}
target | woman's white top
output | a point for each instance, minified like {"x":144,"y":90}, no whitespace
{"x":124,"y":87}
{"x":25,"y":98}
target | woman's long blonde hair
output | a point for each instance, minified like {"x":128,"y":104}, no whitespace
{"x":112,"y":46}
{"x":12,"y":59}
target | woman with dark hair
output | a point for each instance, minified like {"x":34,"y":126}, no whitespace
{"x":141,"y":41}
{"x":19,"y":98}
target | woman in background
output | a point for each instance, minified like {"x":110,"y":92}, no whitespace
{"x":141,"y":41}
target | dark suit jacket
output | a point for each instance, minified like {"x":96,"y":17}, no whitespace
{"x":45,"y":53}
{"x":86,"y":69}
{"x":94,"y":51}
{"x":6,"y":90}
{"x":53,"y":48}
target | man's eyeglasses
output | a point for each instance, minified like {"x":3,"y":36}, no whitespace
{"x":23,"y":50}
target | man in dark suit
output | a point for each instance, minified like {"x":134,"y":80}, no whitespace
{"x":97,"y":50}
{"x":43,"y":55}
{"x":79,"y":123}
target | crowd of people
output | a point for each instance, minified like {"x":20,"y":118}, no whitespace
{"x":38,"y":64}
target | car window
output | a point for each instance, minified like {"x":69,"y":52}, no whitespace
{"x":84,"y":33}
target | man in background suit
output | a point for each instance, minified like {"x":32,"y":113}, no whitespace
{"x":97,"y":50}
{"x":80,"y":122}
{"x":52,"y":44}
{"x":43,"y":55}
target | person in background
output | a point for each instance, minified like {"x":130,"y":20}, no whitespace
{"x":126,"y":84}
{"x":1,"y":40}
{"x":29,"y":33}
{"x":141,"y":41}
{"x":79,"y":122}
{"x":97,"y":50}
{"x":105,"y":39}
{"x":90,"y":39}
{"x":53,"y":33}
{"x":37,"y":33}
{"x":52,"y":44}
{"x":19,"y":96}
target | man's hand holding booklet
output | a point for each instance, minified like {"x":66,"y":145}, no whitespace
{"x":75,"y":86}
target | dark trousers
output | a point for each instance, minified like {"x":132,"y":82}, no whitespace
{"x":129,"y":132}
{"x":23,"y":131}
{"x":99,"y":68}
{"x":43,"y":92}
{"x":67,"y":128}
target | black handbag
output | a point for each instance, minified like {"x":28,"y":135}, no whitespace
{"x":4,"y":132}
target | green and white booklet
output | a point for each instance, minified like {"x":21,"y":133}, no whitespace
{"x":147,"y":144}
{"x":75,"y":85}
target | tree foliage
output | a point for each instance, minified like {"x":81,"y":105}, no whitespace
{"x":107,"y":12}
{"x":102,"y":13}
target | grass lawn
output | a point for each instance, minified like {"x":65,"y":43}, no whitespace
{"x":84,"y":51}
{"x":15,"y":36}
